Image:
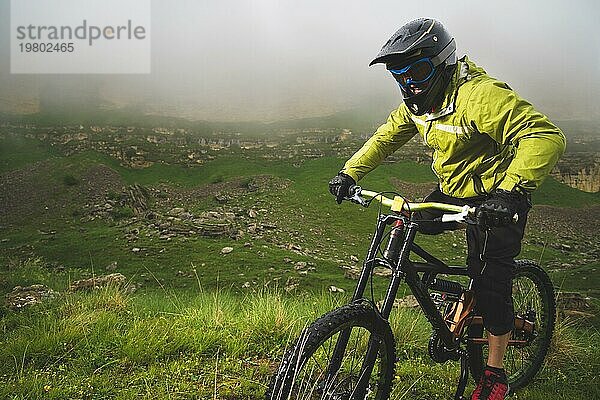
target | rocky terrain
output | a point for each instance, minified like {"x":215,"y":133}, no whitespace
{"x":238,"y":212}
{"x":586,"y":178}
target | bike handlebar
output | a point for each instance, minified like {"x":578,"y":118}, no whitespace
{"x":399,"y":204}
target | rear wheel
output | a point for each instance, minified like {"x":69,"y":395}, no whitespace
{"x":305,"y":371}
{"x":533,"y":298}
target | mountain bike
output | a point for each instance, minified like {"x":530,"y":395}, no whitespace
{"x":349,"y":353}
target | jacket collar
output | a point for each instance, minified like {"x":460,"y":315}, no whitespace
{"x":461,"y":75}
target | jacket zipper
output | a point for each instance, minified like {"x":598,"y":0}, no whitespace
{"x":435,"y":151}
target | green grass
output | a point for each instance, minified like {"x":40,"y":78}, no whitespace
{"x":215,"y":343}
{"x":554,"y":193}
{"x":106,"y":342}
{"x":182,"y":332}
{"x":19,"y":152}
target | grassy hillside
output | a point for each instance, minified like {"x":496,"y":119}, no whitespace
{"x":216,"y":344}
{"x":203,"y":324}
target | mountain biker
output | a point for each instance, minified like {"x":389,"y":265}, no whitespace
{"x":491,"y":149}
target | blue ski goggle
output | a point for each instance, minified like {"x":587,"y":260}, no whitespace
{"x":415,"y":73}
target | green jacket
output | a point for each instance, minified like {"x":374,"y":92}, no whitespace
{"x":484,"y":137}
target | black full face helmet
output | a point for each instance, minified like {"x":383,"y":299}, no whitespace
{"x":421,"y":57}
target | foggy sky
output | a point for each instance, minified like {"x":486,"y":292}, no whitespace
{"x":269,"y":60}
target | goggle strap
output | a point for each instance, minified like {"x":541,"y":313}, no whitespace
{"x":444,"y":54}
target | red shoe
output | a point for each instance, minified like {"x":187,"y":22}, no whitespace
{"x":492,"y":386}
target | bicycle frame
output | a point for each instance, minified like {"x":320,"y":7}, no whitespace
{"x":405,"y":269}
{"x":400,"y":245}
{"x":448,"y":340}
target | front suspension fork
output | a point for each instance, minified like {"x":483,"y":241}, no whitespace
{"x":344,"y":336}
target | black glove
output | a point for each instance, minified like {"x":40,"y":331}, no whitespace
{"x":339,"y":185}
{"x":499,"y":208}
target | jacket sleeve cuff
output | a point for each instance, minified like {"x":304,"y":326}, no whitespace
{"x":351,"y":174}
{"x":507,"y":185}
{"x":510,"y":186}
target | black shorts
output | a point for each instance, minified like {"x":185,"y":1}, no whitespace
{"x":490,"y":258}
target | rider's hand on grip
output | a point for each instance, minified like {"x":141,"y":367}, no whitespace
{"x":500,"y":209}
{"x":339,"y":186}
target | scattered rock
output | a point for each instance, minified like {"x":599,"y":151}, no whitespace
{"x":221,"y":199}
{"x":246,"y":285}
{"x":112,"y":266}
{"x":291,"y":284}
{"x":214,"y":230}
{"x":252,"y":214}
{"x":98,"y":282}
{"x":226,"y":250}
{"x":177,"y":211}
{"x":381,"y":271}
{"x":335,"y":289}
{"x":136,"y":197}
{"x":353,"y":272}
{"x":21,"y":297}
{"x":136,"y":250}
{"x":186,"y":215}
{"x":300,"y":265}
{"x":132,"y":288}
{"x":405,"y":302}
{"x":353,"y":258}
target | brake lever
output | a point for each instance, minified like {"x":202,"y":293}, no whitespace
{"x":462,"y":216}
{"x":355,"y":198}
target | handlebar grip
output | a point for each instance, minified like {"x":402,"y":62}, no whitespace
{"x":473,"y":213}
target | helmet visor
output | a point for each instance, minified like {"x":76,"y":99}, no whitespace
{"x":416,"y":73}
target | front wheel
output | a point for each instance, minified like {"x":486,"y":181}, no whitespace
{"x":533,"y":299}
{"x":327,"y":360}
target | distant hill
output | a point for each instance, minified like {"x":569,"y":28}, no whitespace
{"x":359,"y":119}
{"x":349,"y":119}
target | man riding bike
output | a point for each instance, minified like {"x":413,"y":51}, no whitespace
{"x":491,"y":149}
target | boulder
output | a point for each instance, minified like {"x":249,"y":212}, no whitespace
{"x":98,"y":282}
{"x":226,"y":250}
{"x":24,"y":296}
